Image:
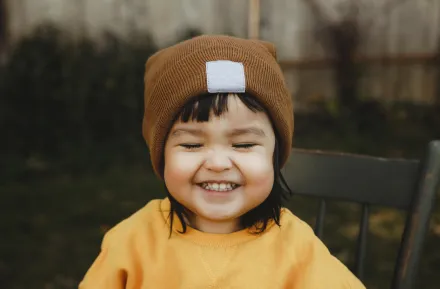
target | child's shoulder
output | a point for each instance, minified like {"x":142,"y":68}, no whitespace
{"x":297,"y":236}
{"x":315,"y":258}
{"x":148,"y":218}
{"x":291,"y":224}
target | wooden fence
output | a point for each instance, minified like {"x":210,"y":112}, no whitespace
{"x":409,"y":75}
{"x":391,"y":78}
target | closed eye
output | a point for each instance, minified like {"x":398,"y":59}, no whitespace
{"x":191,"y":146}
{"x":244,"y":145}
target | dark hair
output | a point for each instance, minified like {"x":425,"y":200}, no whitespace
{"x":199,"y":109}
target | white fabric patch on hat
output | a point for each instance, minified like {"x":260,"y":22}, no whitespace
{"x":225,"y":76}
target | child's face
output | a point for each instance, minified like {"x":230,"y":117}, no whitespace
{"x":222,"y":168}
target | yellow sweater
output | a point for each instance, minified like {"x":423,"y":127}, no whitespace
{"x":138,"y":253}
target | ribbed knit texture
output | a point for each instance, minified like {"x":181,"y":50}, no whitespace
{"x":138,"y":253}
{"x":176,"y":74}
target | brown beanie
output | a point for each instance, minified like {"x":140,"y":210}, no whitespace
{"x":213,"y":64}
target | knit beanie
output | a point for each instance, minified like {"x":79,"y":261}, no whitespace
{"x":213,"y":64}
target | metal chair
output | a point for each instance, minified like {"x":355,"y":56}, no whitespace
{"x":408,"y":185}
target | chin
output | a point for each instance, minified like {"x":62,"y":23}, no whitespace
{"x":219,"y":215}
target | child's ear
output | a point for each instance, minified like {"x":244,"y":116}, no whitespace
{"x":269,"y":47}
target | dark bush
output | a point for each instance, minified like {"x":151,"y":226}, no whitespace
{"x":59,"y":94}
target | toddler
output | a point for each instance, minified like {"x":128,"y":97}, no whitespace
{"x":219,"y":125}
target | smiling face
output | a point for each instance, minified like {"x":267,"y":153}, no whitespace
{"x":221,"y":168}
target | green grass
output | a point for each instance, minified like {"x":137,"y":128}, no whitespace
{"x":52,"y":226}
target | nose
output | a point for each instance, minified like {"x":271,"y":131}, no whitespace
{"x":218,"y":161}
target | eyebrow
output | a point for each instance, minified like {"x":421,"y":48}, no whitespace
{"x":233,"y":133}
{"x":248,"y":130}
{"x":192,"y":131}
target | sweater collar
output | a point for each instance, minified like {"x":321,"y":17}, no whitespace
{"x":209,"y":239}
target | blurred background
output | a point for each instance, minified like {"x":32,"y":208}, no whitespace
{"x":364,"y":75}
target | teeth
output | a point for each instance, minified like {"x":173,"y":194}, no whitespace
{"x":223,"y":187}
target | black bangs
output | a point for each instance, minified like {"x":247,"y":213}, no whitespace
{"x":203,"y":106}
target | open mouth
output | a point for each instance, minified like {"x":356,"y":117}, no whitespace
{"x":218,"y":187}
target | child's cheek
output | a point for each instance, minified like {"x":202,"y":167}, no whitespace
{"x":257,"y":169}
{"x":181,"y":166}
